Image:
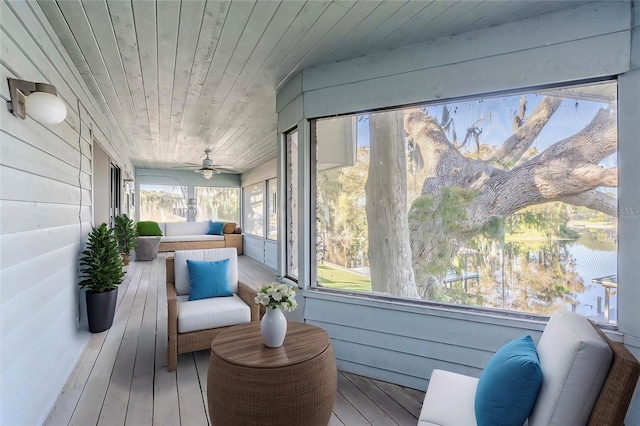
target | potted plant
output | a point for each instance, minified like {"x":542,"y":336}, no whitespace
{"x":126,"y":232}
{"x":101,"y":274}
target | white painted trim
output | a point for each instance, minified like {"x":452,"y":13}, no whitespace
{"x":282,"y":205}
{"x":265,"y":171}
{"x":287,"y":93}
{"x":290,"y":115}
{"x":536,"y":322}
{"x":304,"y":203}
{"x":523,"y":69}
{"x":628,"y":203}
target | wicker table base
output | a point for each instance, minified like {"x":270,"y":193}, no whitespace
{"x":250,"y":384}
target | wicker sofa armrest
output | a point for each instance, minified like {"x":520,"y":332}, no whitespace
{"x":172,"y":316}
{"x":172,"y":308}
{"x":615,"y":397}
{"x":248,"y":295}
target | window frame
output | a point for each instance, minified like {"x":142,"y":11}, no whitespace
{"x":330,"y":292}
{"x":246,"y":208}
{"x":271,"y":207}
{"x":291,"y":215}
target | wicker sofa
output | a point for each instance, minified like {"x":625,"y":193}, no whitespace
{"x":192,"y":325}
{"x":193,"y":236}
{"x":587,"y":379}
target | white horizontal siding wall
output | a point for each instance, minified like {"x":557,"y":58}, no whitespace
{"x":253,"y":247}
{"x":271,"y":254}
{"x":402,"y":343}
{"x":45,"y":214}
{"x":261,"y":250}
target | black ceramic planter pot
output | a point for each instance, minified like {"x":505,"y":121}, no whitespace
{"x":101,"y":308}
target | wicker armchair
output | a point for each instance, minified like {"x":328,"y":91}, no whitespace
{"x":587,"y":379}
{"x":199,"y":339}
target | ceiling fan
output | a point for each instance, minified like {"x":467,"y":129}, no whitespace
{"x":208,"y":169}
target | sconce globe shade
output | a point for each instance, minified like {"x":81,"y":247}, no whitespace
{"x":45,"y":108}
{"x":207,"y":174}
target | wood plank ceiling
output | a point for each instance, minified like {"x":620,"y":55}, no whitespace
{"x":176,"y":77}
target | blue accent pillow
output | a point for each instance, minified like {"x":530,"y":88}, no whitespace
{"x":208,"y":279}
{"x":215,"y":228}
{"x":509,"y":385}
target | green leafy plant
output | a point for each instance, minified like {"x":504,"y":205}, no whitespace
{"x":125,"y":232}
{"x":101,"y":262}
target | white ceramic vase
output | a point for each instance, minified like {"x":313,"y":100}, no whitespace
{"x":273,"y":327}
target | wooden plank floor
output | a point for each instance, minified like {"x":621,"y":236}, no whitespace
{"x":122,"y":379}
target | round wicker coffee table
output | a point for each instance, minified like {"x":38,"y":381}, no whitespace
{"x":251,"y":384}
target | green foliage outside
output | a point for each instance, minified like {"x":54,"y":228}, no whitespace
{"x":159,"y":205}
{"x":455,"y":294}
{"x":449,"y":211}
{"x":218,"y":203}
{"x":101,"y":262}
{"x":333,"y":277}
{"x":522,"y":261}
{"x":342,"y":220}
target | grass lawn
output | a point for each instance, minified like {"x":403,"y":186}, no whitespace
{"x":331,"y":277}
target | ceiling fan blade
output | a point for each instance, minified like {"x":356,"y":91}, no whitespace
{"x":186,"y":166}
{"x":229,"y":170}
{"x":207,"y":164}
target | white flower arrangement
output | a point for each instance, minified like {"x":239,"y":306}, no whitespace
{"x":276,"y":295}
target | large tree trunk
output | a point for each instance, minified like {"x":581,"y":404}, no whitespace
{"x":386,"y":207}
{"x":461,"y":195}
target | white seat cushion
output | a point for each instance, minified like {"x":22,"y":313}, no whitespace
{"x":178,"y":238}
{"x":575,"y":361}
{"x":450,"y":400}
{"x":182,"y":272}
{"x":211,"y":313}
{"x":186,"y":228}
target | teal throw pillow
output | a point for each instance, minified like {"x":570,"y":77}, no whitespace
{"x":149,"y":229}
{"x":215,"y":228}
{"x":208,"y":279}
{"x":509,"y":385}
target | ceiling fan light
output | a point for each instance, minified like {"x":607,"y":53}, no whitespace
{"x":207,"y":174}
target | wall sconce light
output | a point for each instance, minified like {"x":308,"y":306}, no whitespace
{"x":127,"y":183}
{"x":39,"y":99}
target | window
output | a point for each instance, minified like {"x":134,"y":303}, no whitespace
{"x":272,"y":209}
{"x":163,"y":203}
{"x":253,"y":210}
{"x":502,"y":202}
{"x":292,"y":204}
{"x":217,"y":203}
{"x":115,"y":197}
